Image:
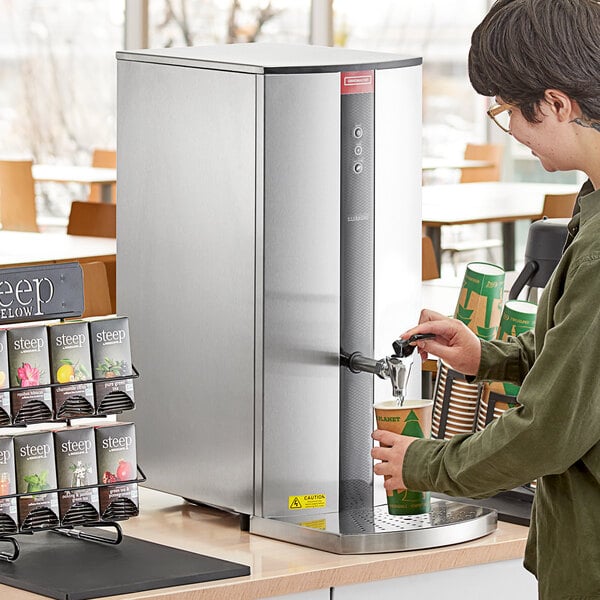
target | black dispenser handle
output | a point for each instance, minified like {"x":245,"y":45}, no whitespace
{"x":529,"y":270}
{"x":403,"y":348}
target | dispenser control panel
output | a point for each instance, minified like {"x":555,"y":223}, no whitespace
{"x":357,"y":277}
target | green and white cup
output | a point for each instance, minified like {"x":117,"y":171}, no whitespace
{"x":480,"y":300}
{"x":412,"y":418}
{"x":496,"y":397}
{"x":517,"y":317}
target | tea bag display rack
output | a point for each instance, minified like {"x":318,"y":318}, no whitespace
{"x":129,"y":405}
{"x":72,"y":529}
{"x":54,"y":292}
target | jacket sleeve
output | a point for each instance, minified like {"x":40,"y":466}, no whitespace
{"x":558,"y":421}
{"x":510,"y":360}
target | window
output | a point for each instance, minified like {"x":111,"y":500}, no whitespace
{"x":57,"y":81}
{"x":58,"y":85}
{"x":440,"y":32}
{"x":189,"y":23}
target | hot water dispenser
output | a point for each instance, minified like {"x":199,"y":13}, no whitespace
{"x":268,"y":229}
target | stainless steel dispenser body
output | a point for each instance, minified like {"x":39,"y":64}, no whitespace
{"x":237,"y":186}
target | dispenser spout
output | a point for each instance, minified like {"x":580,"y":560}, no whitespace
{"x":398,"y":371}
{"x":396,"y":367}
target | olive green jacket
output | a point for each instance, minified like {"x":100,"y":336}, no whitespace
{"x":554,"y":436}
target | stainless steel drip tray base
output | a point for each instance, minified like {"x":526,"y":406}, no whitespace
{"x":373,"y":530}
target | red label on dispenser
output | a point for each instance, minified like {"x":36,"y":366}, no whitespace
{"x":357,"y":82}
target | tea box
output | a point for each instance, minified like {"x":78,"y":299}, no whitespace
{"x":71,"y":362}
{"x":8,"y":504}
{"x":111,"y":358}
{"x":35,"y":473}
{"x":5,"y":411}
{"x":117,"y":470}
{"x":77,"y":475}
{"x":29,"y":367}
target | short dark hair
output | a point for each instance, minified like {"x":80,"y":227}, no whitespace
{"x":524,"y":47}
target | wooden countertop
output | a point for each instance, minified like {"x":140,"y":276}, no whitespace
{"x":279,"y":568}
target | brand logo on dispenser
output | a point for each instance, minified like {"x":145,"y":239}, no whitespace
{"x":357,"y":82}
{"x":360,"y":217}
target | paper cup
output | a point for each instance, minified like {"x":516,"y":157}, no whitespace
{"x":517,"y":317}
{"x":412,"y":418}
{"x":455,"y":403}
{"x":480,"y":299}
{"x":496,"y":397}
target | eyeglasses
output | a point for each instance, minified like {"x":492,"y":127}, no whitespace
{"x":500,"y":114}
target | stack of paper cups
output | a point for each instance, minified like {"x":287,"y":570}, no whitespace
{"x":455,"y":404}
{"x":479,"y":308}
{"x":497,"y":397}
{"x":493,"y":401}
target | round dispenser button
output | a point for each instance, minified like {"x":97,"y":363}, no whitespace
{"x":358,"y":150}
{"x":358,"y":167}
{"x":358,"y":132}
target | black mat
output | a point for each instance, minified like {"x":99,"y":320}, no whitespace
{"x":69,"y":569}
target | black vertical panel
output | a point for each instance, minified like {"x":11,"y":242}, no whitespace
{"x":356,"y":293}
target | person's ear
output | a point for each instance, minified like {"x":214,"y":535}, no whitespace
{"x":561,"y":105}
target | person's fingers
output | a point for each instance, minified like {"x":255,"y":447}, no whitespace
{"x":430,"y":315}
{"x":384,"y":437}
{"x":444,"y":331}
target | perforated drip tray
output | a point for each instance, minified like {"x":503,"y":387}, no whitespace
{"x":372,"y":530}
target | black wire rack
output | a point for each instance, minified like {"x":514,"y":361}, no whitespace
{"x":76,"y":531}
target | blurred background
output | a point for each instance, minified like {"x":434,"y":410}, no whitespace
{"x":58,"y":69}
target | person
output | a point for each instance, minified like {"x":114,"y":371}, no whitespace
{"x":540,"y":60}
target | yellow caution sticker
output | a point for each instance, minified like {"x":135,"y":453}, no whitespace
{"x":307,"y":501}
{"x":319,"y":524}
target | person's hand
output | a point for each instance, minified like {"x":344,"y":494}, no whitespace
{"x":454,"y":342}
{"x":391,"y":452}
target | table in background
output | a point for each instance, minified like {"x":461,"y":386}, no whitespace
{"x":486,"y":202}
{"x":432,"y":164}
{"x":21,"y":248}
{"x":18,"y":248}
{"x":78,"y":174}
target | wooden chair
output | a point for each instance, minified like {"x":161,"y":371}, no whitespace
{"x":106,"y":159}
{"x":559,"y":206}
{"x":494,"y":154}
{"x":17,"y":196}
{"x":93,"y":219}
{"x":455,"y":248}
{"x":111,"y":272}
{"x":488,"y":152}
{"x":430,"y":268}
{"x":110,"y":267}
{"x":97,"y":220}
{"x":96,"y":294}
